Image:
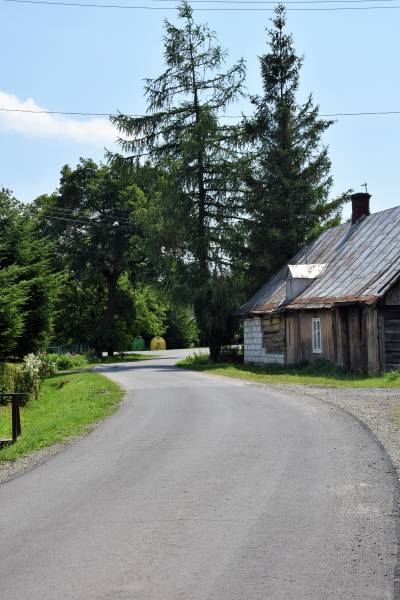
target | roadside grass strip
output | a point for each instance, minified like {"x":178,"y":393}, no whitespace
{"x":121,"y":358}
{"x":68,"y":405}
{"x":318,"y":374}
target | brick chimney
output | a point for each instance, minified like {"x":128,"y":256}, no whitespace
{"x":360,"y":206}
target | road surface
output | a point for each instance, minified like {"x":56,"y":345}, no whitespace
{"x":205,"y":488}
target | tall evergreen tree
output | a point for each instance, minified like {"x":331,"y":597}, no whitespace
{"x":182,"y":134}
{"x":28,"y":286}
{"x":290,"y":179}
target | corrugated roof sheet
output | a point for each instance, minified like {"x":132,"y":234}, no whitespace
{"x":363,"y":262}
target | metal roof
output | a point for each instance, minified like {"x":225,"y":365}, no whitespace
{"x":363,"y":262}
{"x":306,"y":271}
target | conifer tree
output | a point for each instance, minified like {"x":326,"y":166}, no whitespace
{"x":28,"y":286}
{"x":182,"y":133}
{"x":201,"y":198}
{"x":290,"y":179}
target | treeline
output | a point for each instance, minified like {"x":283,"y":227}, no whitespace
{"x":191,"y":217}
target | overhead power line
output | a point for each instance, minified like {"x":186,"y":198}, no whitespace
{"x":241,"y":9}
{"x":96,"y":114}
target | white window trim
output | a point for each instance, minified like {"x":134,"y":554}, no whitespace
{"x":316,"y":336}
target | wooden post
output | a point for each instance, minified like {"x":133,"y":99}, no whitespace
{"x":16,"y":420}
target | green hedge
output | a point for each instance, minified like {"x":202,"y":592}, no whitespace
{"x":18,"y":378}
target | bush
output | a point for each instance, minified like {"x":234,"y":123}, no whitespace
{"x":47,"y":366}
{"x":392,"y":376}
{"x":69,"y":361}
{"x":8,"y":374}
{"x":232,"y":354}
{"x":20,"y":378}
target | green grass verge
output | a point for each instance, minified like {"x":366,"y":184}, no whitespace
{"x":320,"y":373}
{"x":122,"y":358}
{"x":67,"y":406}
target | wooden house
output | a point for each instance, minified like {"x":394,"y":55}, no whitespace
{"x":338,"y":299}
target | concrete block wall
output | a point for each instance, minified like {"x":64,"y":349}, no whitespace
{"x":254,"y":351}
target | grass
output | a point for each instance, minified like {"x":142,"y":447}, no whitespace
{"x":320,"y":373}
{"x":105,"y":360}
{"x":68,"y":405}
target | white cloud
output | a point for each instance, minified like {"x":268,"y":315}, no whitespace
{"x":89,"y":130}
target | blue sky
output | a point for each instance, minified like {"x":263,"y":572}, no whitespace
{"x":94,"y":60}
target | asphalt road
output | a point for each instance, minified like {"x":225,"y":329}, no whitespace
{"x":205,"y":488}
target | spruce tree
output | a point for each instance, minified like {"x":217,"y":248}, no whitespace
{"x":290,"y":178}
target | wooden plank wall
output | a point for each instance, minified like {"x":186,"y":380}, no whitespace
{"x":357,"y":338}
{"x":391,"y":330}
{"x":349,"y":336}
{"x":393,"y":296}
{"x":274,"y":337}
{"x":374,"y":364}
{"x":302,"y":345}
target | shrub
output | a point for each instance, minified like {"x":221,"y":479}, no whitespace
{"x":20,"y":378}
{"x":47,"y":365}
{"x":232,"y":354}
{"x":8,"y":375}
{"x":70,"y":361}
{"x":392,"y":376}
{"x":196,"y":359}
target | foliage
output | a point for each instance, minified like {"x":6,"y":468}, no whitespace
{"x":64,"y":362}
{"x":194,"y":214}
{"x":28,"y":287}
{"x":66,"y":407}
{"x":289,"y":179}
{"x":13,"y":297}
{"x":200,"y":194}
{"x":215,"y":305}
{"x":181,"y":327}
{"x":19,"y":378}
{"x":150,"y":311}
{"x":97,"y":219}
{"x":8,"y":377}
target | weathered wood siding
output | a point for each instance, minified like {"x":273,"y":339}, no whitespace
{"x":393,"y":296}
{"x":357,"y":338}
{"x":274,"y":335}
{"x":389,"y":330}
{"x":299,"y":336}
{"x":349,"y":337}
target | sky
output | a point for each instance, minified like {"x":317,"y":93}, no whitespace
{"x":65,"y":58}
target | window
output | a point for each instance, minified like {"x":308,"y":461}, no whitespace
{"x":316,"y":336}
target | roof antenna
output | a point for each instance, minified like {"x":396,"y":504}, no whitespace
{"x":364,"y":185}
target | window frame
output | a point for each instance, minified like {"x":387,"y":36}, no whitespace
{"x":316,"y":335}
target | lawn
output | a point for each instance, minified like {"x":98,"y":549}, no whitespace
{"x":321,"y":373}
{"x":68,"y":405}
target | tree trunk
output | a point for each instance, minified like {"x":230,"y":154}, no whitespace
{"x":215,"y":351}
{"x":106,"y":325}
{"x":202,"y":242}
